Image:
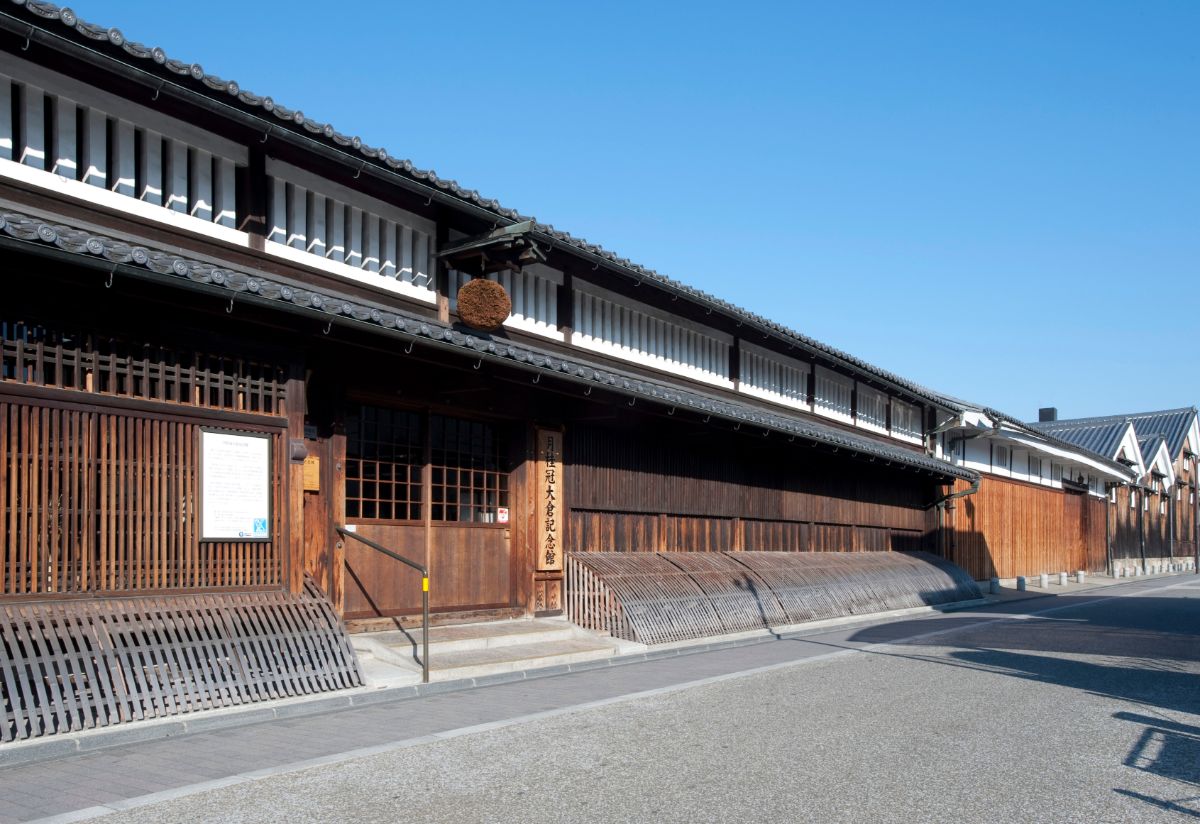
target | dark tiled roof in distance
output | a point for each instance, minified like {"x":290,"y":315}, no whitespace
{"x":193,"y":76}
{"x":1101,"y":438}
{"x":1052,"y":437}
{"x":380,"y":318}
{"x":1171,"y":424}
{"x":1149,"y":447}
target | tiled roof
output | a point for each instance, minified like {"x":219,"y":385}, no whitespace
{"x":1103,"y":438}
{"x":1171,"y":424}
{"x":195,"y":78}
{"x":1150,"y":447}
{"x":1095,"y":447}
{"x":170,"y":266}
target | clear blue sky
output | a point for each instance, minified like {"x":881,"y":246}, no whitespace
{"x":999,"y":200}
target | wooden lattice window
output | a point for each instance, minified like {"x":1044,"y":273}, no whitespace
{"x":86,"y":361}
{"x":384,"y":455}
{"x":469,"y":473}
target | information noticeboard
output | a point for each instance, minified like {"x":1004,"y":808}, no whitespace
{"x":235,"y":486}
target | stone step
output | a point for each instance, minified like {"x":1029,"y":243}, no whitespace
{"x":475,"y":663}
{"x":464,"y":637}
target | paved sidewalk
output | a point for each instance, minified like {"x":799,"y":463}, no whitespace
{"x":119,"y":777}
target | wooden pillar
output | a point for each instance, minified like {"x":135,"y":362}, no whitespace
{"x":427,"y":495}
{"x":1171,"y":524}
{"x":1108,"y":553}
{"x":293,"y":509}
{"x":337,"y":511}
{"x":812,"y":383}
{"x":441,"y":277}
{"x":522,"y":508}
{"x":1142,"y":506}
{"x":735,"y":363}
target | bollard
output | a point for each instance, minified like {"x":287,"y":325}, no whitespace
{"x":1043,"y":580}
{"x":1021,"y":583}
{"x":994,"y":586}
{"x":1081,"y":577}
{"x":1062,"y":579}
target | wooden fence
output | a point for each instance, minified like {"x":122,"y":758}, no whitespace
{"x":97,"y":500}
{"x":1010,"y":528}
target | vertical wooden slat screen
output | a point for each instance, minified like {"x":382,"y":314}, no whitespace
{"x":106,"y":501}
{"x":35,"y":355}
{"x":1010,"y":528}
{"x":664,"y":493}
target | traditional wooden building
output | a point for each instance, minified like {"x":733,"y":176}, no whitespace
{"x":1039,"y":507}
{"x":246,"y":356}
{"x":1154,"y":518}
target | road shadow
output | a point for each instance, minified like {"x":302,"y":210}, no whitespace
{"x":1131,"y":626}
{"x":1166,"y":748}
{"x":1143,"y":649}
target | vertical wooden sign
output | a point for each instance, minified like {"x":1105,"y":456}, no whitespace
{"x":549,"y":498}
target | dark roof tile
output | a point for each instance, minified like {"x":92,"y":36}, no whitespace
{"x":85,"y":243}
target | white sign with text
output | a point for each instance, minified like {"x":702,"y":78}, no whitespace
{"x":235,"y":493}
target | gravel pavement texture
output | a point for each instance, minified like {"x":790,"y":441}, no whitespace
{"x":1071,"y":709}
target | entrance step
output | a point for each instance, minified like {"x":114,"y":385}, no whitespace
{"x":476,"y":650}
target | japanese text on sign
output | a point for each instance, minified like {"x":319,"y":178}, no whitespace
{"x":235,"y":486}
{"x":549,"y":485}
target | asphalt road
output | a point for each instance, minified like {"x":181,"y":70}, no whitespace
{"x":1088,"y":713}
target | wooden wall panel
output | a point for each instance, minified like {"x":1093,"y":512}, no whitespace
{"x":469,"y":569}
{"x":664,"y":491}
{"x":1010,"y":528}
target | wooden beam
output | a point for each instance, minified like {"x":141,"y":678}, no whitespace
{"x":735,"y":362}
{"x":251,"y":197}
{"x":441,"y":279}
{"x":566,"y":306}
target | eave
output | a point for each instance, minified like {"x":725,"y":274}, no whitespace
{"x":114,"y":255}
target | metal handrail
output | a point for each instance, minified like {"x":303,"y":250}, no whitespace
{"x":421,"y":568}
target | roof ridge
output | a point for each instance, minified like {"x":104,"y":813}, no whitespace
{"x":1128,"y":416}
{"x":297,"y":120}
